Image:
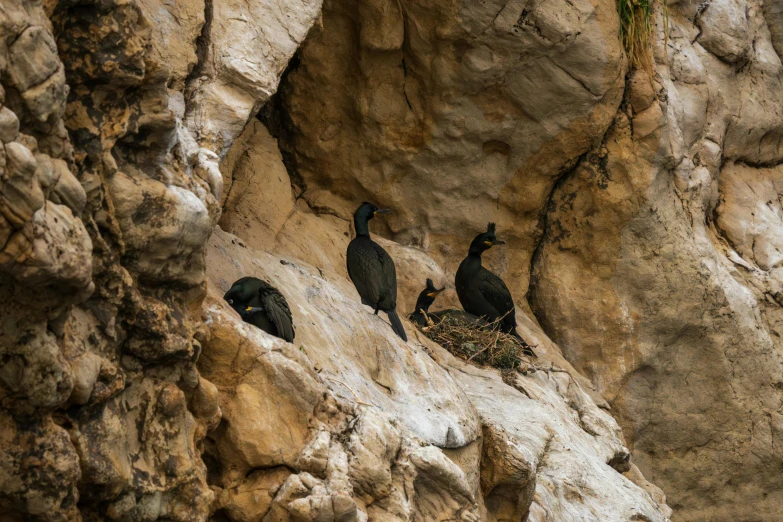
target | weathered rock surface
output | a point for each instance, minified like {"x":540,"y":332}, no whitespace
{"x":246,"y":47}
{"x":451,"y":113}
{"x":106,"y":204}
{"x":643,"y":217}
{"x":350,"y":423}
{"x":649,"y":215}
{"x":658,"y":271}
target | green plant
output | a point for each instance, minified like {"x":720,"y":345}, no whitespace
{"x":636,"y":30}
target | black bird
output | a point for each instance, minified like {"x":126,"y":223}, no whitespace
{"x":262,"y":305}
{"x":425,"y":300}
{"x":372,"y":270}
{"x":481,"y":292}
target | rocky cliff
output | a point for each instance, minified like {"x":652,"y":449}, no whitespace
{"x":153,"y":152}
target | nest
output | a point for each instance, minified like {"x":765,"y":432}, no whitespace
{"x":486,"y":346}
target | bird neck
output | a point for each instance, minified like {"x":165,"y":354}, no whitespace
{"x":471,"y":264}
{"x":362,"y":226}
{"x":423,"y":304}
{"x":475,"y":253}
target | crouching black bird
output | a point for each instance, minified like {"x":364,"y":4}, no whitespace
{"x":262,"y":305}
{"x":372,"y":270}
{"x":481,"y":292}
{"x":425,"y":300}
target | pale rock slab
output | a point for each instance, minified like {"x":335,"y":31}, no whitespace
{"x":724,"y":29}
{"x":536,"y":437}
{"x":352,"y":345}
{"x":246,"y":48}
{"x":175,"y":28}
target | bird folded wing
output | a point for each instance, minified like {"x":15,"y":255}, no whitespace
{"x":278,"y":312}
{"x":389,"y":274}
{"x":495,"y":291}
{"x":366,"y":275}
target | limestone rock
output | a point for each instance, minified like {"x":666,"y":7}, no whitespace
{"x":175,"y":31}
{"x":68,"y":190}
{"x":52,"y":254}
{"x":164,"y":227}
{"x":382,"y":370}
{"x":265,"y":216}
{"x":32,"y":58}
{"x":347,"y":453}
{"x":453,"y":116}
{"x":642,"y":213}
{"x":39,"y":471}
{"x":258,"y":199}
{"x":22,"y":195}
{"x":254,"y":496}
{"x":9,"y":125}
{"x":86,"y":370}
{"x":773,"y":12}
{"x":275,"y":392}
{"x":724,"y":29}
{"x":247,"y":47}
{"x":750,"y":215}
{"x":104,"y":414}
{"x":665,"y":242}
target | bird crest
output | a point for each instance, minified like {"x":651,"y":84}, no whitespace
{"x":430,"y":285}
{"x":491,"y":228}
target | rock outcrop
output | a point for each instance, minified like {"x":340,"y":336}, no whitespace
{"x":350,"y":423}
{"x":652,"y":242}
{"x":670,"y":231}
{"x":107,"y":200}
{"x":642,"y":211}
{"x":451,"y":113}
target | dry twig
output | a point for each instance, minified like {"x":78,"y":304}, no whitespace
{"x":356,"y":396}
{"x":482,"y":344}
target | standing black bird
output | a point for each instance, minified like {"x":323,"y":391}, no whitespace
{"x":372,"y":270}
{"x":427,"y":297}
{"x":262,"y":305}
{"x":481,"y":292}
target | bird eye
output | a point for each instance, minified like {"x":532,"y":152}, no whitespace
{"x":230,"y":301}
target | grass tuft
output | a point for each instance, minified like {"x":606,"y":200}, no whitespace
{"x":636,"y":30}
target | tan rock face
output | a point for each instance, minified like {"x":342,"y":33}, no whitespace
{"x":453,"y":115}
{"x":106,"y":203}
{"x":247,"y":49}
{"x":658,"y":271}
{"x":258,"y":199}
{"x":374,"y":364}
{"x":349,"y":423}
{"x":643,"y":217}
{"x":657,"y":274}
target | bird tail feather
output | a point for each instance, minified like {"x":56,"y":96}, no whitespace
{"x":396,"y":324}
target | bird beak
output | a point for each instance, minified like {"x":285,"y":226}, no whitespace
{"x":251,"y":309}
{"x":432,"y":294}
{"x":499,"y":242}
{"x":381,"y":211}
